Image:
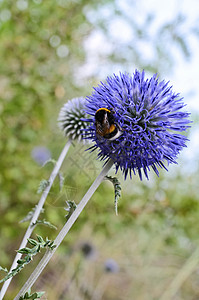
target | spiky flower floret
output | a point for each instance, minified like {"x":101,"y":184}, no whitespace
{"x":150,"y":115}
{"x":71,"y":118}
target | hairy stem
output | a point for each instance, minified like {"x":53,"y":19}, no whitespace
{"x":49,"y":253}
{"x":37,"y":213}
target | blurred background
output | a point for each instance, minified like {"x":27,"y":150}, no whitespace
{"x":52,"y":51}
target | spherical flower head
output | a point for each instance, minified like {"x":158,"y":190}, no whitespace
{"x":40,"y":154}
{"x":71,"y":118}
{"x":149,"y":115}
{"x":111,"y":266}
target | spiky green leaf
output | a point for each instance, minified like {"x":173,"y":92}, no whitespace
{"x":117,"y":190}
{"x":71,"y":206}
{"x":42,"y":185}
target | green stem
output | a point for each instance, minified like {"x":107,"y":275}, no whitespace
{"x":36,"y":213}
{"x":49,"y":253}
{"x":188,"y":268}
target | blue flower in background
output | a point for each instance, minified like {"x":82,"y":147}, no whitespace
{"x":40,"y":154}
{"x":111,"y":266}
{"x":148,"y":115}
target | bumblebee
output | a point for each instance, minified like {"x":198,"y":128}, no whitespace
{"x":105,"y":124}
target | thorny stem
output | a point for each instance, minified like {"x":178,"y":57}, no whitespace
{"x":49,"y":253}
{"x":36,"y":213}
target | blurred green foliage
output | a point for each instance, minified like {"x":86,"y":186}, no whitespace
{"x":44,"y":62}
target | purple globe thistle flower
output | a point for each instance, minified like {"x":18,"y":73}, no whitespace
{"x":148,"y":115}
